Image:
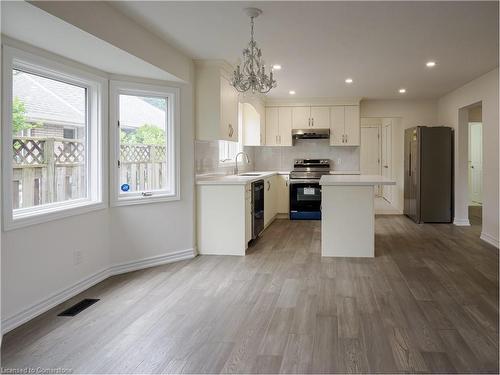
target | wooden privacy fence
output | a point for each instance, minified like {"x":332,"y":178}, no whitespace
{"x":48,"y":170}
{"x":143,"y":167}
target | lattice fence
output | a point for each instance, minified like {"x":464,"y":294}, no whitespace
{"x":47,"y":170}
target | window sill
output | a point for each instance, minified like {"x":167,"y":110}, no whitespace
{"x":50,"y":214}
{"x":159,"y":198}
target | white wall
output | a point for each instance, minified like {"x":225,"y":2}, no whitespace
{"x":403,"y":114}
{"x":37,"y":264}
{"x":485,"y":90}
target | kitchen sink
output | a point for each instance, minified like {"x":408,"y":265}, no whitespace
{"x":250,"y":174}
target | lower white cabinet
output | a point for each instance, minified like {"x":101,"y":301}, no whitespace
{"x":276,"y":197}
{"x":283,"y":194}
{"x":223,"y":218}
{"x":270,"y":204}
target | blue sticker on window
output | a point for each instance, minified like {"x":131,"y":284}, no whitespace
{"x":125,"y":187}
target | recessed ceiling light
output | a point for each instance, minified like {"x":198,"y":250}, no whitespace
{"x":276,"y":67}
{"x":348,"y":80}
{"x":291,"y":92}
{"x":402,"y":91}
{"x":430,"y":64}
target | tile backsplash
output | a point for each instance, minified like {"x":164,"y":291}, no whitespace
{"x":264,"y":158}
{"x":207,"y":159}
{"x":281,"y":158}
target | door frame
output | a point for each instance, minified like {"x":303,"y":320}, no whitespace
{"x":469,"y":180}
{"x":377,"y":188}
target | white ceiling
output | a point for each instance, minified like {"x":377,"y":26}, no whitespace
{"x":27,"y":23}
{"x":383,"y":46}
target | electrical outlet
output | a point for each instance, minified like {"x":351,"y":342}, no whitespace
{"x":77,"y":257}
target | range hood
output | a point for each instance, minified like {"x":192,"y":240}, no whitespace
{"x":310,"y":133}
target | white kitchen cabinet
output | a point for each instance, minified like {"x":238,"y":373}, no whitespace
{"x":270,"y":199}
{"x":301,"y":117}
{"x":283,"y":194}
{"x":352,"y":126}
{"x":344,"y":126}
{"x":337,"y":116}
{"x":310,"y":117}
{"x":320,"y":117}
{"x":285,"y":126}
{"x":248,"y":213}
{"x":223,"y":231}
{"x":279,"y":126}
{"x":272,"y":126}
{"x":216,"y":103}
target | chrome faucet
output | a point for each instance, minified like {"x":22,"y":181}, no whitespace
{"x":236,"y":160}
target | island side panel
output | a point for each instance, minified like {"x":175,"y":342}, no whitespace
{"x":221,"y":219}
{"x":348,"y":221}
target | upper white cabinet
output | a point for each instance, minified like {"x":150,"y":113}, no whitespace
{"x":320,"y":117}
{"x":301,"y":117}
{"x":310,"y":117}
{"x":345,"y":126}
{"x":278,"y":126}
{"x":216,"y":103}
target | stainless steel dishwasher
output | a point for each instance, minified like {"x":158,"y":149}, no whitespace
{"x":257,"y":208}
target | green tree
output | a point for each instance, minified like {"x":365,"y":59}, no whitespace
{"x":19,"y":120}
{"x":146,"y":134}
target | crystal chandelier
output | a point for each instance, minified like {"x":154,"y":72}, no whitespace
{"x":251,"y":75}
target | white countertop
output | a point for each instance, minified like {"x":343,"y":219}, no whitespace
{"x":353,"y":180}
{"x":345,"y":172}
{"x":217,"y":179}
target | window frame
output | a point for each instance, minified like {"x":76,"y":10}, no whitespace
{"x":172,"y":132}
{"x":96,"y":86}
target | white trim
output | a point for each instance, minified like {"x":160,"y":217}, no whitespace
{"x":490,"y":239}
{"x":55,"y":299}
{"x":97,"y":110}
{"x":173,"y":99}
{"x":461,"y":222}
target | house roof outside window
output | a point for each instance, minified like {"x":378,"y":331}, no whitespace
{"x":58,"y":103}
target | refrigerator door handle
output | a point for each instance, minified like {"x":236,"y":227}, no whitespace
{"x":409,"y":165}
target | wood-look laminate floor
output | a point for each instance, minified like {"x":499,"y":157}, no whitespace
{"x":428,"y":302}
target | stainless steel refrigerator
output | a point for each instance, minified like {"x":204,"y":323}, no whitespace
{"x":428,"y":187}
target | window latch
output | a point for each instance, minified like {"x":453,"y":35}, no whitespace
{"x":147,"y":193}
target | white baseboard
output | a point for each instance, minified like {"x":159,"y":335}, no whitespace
{"x":461,"y":222}
{"x":55,"y":299}
{"x":490,"y":239}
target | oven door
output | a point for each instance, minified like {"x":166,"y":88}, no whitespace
{"x":305,"y":200}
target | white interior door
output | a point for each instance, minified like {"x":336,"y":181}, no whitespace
{"x":370,"y":152}
{"x":476,"y":162}
{"x":387,"y":159}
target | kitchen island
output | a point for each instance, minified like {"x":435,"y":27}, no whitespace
{"x":348,"y":217}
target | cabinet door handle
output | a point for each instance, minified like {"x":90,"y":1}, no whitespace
{"x":309,"y":123}
{"x":312,"y":122}
{"x":279,"y":138}
{"x":268,"y":185}
{"x":231,"y":130}
{"x":276,"y":139}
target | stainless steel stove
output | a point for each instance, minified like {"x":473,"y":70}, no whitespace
{"x":309,"y":169}
{"x":305,"y":192}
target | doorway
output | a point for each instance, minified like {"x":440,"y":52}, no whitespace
{"x":475,"y":164}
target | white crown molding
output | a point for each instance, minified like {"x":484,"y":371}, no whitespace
{"x":55,"y":299}
{"x":490,"y":239}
